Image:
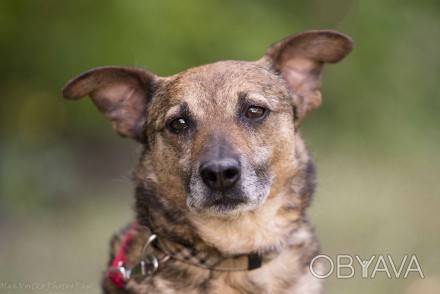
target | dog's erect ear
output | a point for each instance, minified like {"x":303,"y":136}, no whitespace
{"x":120,"y":93}
{"x":299,"y":59}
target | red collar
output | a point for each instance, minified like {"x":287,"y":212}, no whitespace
{"x":114,"y":274}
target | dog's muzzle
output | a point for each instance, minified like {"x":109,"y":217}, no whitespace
{"x":223,"y":181}
{"x":220,"y":178}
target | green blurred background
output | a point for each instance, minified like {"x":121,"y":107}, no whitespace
{"x":65,"y":176}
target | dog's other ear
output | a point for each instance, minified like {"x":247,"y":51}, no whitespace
{"x":120,"y":93}
{"x":299,"y":60}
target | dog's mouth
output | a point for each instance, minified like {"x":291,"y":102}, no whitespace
{"x":226,"y":203}
{"x":223,"y":204}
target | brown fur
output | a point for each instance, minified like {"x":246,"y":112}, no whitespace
{"x":277,"y":172}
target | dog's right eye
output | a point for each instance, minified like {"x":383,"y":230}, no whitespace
{"x":178,"y":125}
{"x":255,"y":112}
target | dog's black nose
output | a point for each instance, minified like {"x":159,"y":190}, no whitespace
{"x":221,"y":174}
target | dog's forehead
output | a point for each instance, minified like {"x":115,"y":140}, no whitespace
{"x":219,"y":86}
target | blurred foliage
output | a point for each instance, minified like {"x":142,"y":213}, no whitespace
{"x":376,"y":136}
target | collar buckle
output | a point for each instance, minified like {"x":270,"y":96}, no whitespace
{"x":147,"y":266}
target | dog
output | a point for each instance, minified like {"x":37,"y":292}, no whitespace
{"x":224,"y":178}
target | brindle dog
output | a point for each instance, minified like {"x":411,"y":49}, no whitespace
{"x":224,"y":177}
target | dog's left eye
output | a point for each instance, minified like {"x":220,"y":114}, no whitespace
{"x":177,"y":125}
{"x":255,"y":112}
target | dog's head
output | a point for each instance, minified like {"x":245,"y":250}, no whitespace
{"x":220,"y":137}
